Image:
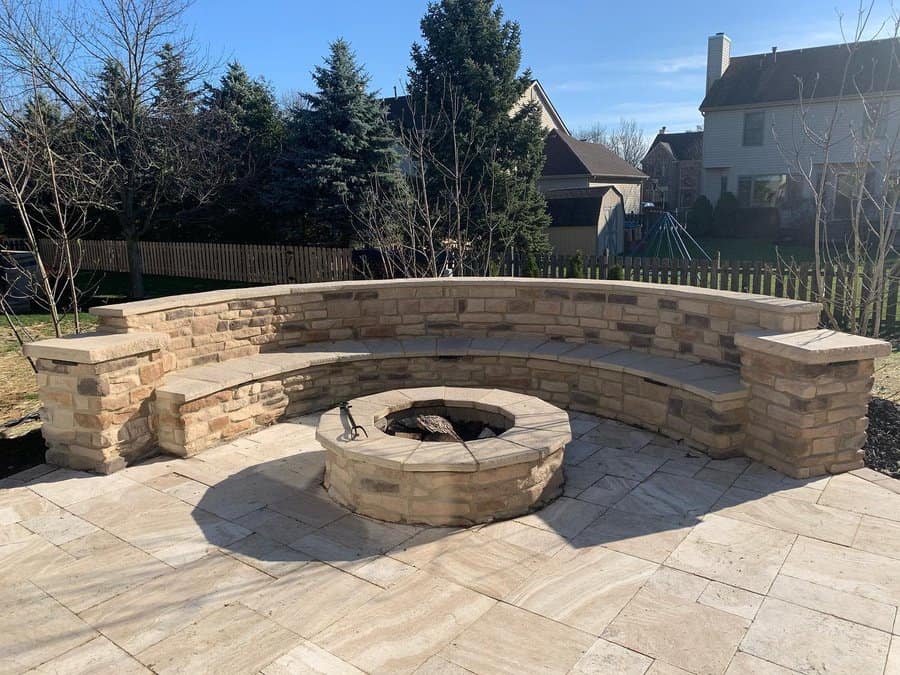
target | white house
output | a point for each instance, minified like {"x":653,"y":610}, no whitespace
{"x":761,"y":111}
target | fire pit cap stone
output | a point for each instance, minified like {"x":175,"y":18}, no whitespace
{"x":537,"y":430}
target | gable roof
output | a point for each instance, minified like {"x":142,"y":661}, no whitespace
{"x":399,"y":108}
{"x":768,"y":78}
{"x":548,"y":105}
{"x":578,"y":207}
{"x":685,"y":145}
{"x":567,"y":156}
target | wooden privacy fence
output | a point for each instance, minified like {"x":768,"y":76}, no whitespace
{"x":783,"y":280}
{"x":276,"y":264}
{"x":252,"y":263}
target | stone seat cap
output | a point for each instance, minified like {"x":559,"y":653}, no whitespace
{"x":538,"y":430}
{"x":816,"y":346}
{"x":712,"y":382}
{"x":96,"y":347}
{"x":615,"y":287}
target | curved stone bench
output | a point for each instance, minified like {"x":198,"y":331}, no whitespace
{"x":701,"y":404}
{"x":729,"y":372}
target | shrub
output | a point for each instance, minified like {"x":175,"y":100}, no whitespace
{"x":616,"y":273}
{"x":725,"y":215}
{"x":700,"y":217}
{"x":531,"y":265}
{"x":576,"y":266}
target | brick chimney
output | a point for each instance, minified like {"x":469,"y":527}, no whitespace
{"x":718,"y":56}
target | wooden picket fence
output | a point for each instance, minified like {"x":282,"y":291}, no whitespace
{"x":783,"y":280}
{"x":251,"y":263}
{"x":275,"y":264}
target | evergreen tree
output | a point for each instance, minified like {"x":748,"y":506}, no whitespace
{"x":467,"y":73}
{"x":175,"y":135}
{"x":242,"y":118}
{"x":245,"y":112}
{"x":172,"y":84}
{"x":339,"y":142}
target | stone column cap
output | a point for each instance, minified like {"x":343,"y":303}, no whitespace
{"x":96,"y":347}
{"x":820,"y":345}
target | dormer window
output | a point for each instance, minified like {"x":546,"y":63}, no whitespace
{"x":754,"y":126}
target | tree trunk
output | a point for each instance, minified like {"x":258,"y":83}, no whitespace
{"x":135,"y":268}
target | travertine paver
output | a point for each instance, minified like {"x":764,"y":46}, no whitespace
{"x":669,"y":627}
{"x":608,"y":657}
{"x":237,"y":561}
{"x":376,"y":636}
{"x":736,"y":553}
{"x":97,"y":656}
{"x":510,"y":640}
{"x":810,"y":641}
{"x":233,"y":638}
{"x":583,"y":588}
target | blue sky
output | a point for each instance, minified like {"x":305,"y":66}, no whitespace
{"x":598,"y":60}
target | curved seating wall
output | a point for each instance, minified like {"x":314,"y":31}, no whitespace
{"x":692,"y":323}
{"x":800,"y":393}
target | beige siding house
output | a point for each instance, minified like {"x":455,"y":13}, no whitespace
{"x":757,"y":107}
{"x":574,"y":170}
{"x":575,"y":164}
{"x":549,"y":117}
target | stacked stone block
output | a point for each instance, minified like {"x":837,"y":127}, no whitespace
{"x":692,"y":323}
{"x":714,"y":425}
{"x":443,"y":498}
{"x":809,"y":396}
{"x":96,"y":393}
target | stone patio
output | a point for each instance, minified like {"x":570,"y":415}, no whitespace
{"x":654,"y":561}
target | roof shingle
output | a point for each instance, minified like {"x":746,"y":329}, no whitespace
{"x":567,"y":156}
{"x":685,"y":145}
{"x":816,"y":73}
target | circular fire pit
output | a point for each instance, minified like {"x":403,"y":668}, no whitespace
{"x":388,"y":470}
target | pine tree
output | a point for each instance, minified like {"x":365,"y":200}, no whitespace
{"x":241,"y":116}
{"x":245,"y":111}
{"x":172,"y":84}
{"x":470,"y":62}
{"x":339,"y":143}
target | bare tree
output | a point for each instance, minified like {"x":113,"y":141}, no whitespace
{"x":420,"y":229}
{"x":98,"y":60}
{"x":846,"y":156}
{"x":627,"y":140}
{"x":46,"y":177}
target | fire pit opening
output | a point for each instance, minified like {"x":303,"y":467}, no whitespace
{"x":443,"y":423}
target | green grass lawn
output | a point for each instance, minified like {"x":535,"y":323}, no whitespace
{"x":763,"y":250}
{"x":113,"y":287}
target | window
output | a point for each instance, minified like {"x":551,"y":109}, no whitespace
{"x":754,"y":126}
{"x":723,"y":184}
{"x":768,"y":190}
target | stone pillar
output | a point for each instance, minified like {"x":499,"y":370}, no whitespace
{"x":96,"y":392}
{"x":809,"y":395}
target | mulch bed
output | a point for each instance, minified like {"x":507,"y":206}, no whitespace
{"x":883,"y":442}
{"x":21,"y":452}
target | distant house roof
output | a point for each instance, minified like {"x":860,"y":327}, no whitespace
{"x":399,"y":107}
{"x":578,"y":207}
{"x":567,"y":156}
{"x":770,"y":78}
{"x":686,"y":145}
{"x":548,"y":106}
